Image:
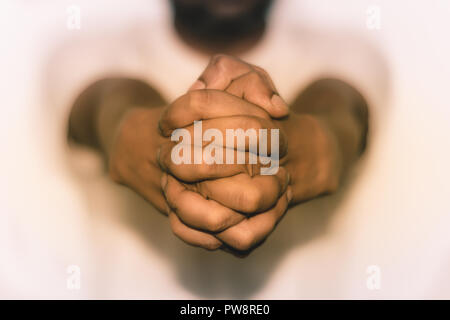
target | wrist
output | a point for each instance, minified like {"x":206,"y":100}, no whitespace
{"x":334,"y":158}
{"x":314,"y":158}
{"x":136,"y":140}
{"x":108,"y":122}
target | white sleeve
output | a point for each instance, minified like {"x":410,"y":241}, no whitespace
{"x":358,"y":62}
{"x":77,"y":64}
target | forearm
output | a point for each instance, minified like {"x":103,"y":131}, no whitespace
{"x":99,"y":110}
{"x":344,"y":114}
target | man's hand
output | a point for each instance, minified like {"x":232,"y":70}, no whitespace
{"x":230,"y":203}
{"x":119,"y":117}
{"x":133,"y":157}
{"x":318,"y":143}
{"x":243,"y":80}
{"x":223,"y":206}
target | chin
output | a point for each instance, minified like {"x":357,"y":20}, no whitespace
{"x":223,"y":9}
{"x":231,"y":8}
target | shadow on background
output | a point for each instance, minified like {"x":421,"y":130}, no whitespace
{"x":213,"y":274}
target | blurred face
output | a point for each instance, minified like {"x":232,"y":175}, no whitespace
{"x":223,"y":9}
{"x":220,"y":21}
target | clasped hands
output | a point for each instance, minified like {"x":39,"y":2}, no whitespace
{"x":228,"y":206}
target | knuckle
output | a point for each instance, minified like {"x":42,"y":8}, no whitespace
{"x":221,"y":61}
{"x":199,"y":99}
{"x":244,"y":242}
{"x":211,"y":245}
{"x":253,"y":76}
{"x":215,"y":222}
{"x":251,"y":200}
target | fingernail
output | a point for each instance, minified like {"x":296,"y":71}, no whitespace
{"x":164,"y":181}
{"x":197,"y":85}
{"x":278,"y":102}
{"x":289,"y":195}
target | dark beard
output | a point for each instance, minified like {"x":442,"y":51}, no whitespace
{"x":219,"y":30}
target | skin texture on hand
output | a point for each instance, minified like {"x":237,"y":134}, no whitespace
{"x":240,"y":207}
{"x":133,"y":160}
{"x":229,"y":94}
{"x":212,"y":205}
{"x":227,"y":206}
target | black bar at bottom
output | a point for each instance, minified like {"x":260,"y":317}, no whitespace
{"x":223,"y":309}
